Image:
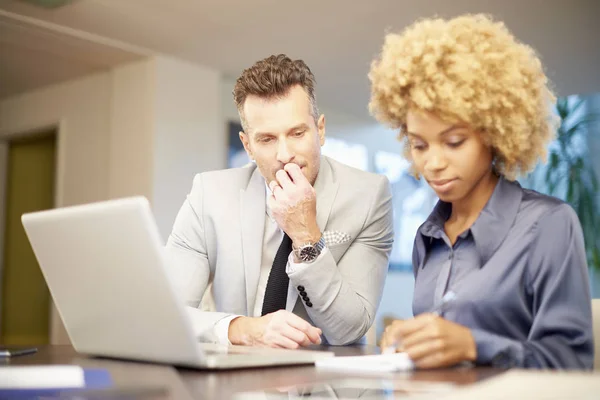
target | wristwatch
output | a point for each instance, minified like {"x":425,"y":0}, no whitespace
{"x":309,"y":252}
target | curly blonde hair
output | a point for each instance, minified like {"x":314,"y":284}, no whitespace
{"x":468,"y":69}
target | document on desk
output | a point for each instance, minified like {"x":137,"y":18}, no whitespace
{"x":532,"y":385}
{"x":394,"y":362}
{"x":48,"y":380}
{"x":46,"y":376}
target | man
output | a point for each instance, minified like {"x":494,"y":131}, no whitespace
{"x":296,"y":245}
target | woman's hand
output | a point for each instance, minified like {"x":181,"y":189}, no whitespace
{"x":431,"y":341}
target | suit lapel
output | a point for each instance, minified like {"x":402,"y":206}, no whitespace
{"x":253,"y":208}
{"x":326,"y":187}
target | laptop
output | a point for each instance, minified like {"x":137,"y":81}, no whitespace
{"x":104,"y":267}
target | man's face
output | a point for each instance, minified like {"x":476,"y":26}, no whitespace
{"x":283,"y":130}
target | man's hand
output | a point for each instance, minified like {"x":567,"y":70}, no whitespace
{"x":294,"y":205}
{"x":431,"y":341}
{"x":280,"y":329}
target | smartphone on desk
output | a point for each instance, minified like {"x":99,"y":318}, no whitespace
{"x":7,"y":352}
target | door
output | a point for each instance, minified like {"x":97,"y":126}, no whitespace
{"x":25,"y":301}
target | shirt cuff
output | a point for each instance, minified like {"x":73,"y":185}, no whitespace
{"x":293,"y":267}
{"x":222,"y":329}
{"x":497,"y":350}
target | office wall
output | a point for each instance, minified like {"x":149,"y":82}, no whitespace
{"x":140,"y":129}
{"x":166,"y":126}
{"x":189,"y":133}
{"x":130,"y":153}
{"x":143,"y":128}
{"x":81,"y":108}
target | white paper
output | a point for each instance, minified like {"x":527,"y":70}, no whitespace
{"x":41,"y":377}
{"x":374,"y":363}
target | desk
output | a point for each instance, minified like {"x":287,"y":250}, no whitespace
{"x":222,"y":385}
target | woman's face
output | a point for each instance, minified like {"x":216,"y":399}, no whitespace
{"x":452,"y":157}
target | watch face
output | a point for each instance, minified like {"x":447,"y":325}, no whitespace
{"x":308,"y":253}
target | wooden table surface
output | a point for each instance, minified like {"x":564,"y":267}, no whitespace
{"x":165,"y":382}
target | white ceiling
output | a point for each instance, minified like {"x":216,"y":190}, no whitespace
{"x":33,"y":56}
{"x":337,"y":38}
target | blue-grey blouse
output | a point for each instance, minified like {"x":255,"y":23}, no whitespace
{"x":520,"y":278}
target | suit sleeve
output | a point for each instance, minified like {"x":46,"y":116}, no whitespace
{"x":345,"y":296}
{"x":187,"y":263}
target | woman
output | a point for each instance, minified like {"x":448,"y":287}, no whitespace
{"x":500,"y":271}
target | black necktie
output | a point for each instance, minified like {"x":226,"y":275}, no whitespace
{"x":277,"y":285}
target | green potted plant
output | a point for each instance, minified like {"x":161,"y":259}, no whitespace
{"x":569,"y":173}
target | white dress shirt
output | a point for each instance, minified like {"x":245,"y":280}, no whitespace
{"x":273,"y":235}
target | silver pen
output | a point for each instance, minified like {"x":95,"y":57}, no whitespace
{"x":438,"y":310}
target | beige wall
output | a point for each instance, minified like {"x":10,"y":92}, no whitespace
{"x":189,"y":133}
{"x":80,"y":109}
{"x":140,"y":129}
{"x":166,"y":126}
{"x":130,"y":135}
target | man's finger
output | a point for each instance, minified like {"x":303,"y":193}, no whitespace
{"x":274,"y":186}
{"x":284,"y":342}
{"x":271,"y":202}
{"x":296,"y":335}
{"x":295,"y":173}
{"x":284,"y":179}
{"x":314,"y":334}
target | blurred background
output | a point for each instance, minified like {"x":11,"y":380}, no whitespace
{"x":101,"y":99}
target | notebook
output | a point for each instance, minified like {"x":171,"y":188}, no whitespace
{"x":394,"y":362}
{"x":31,"y":381}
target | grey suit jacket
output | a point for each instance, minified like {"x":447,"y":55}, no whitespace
{"x":218,"y":234}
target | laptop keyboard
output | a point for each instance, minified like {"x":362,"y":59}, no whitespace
{"x":220,"y":351}
{"x":216,"y":350}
